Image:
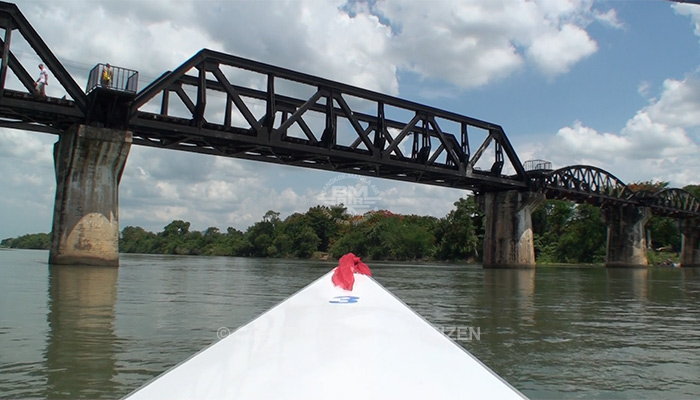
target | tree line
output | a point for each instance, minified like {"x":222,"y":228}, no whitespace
{"x":564,"y":232}
{"x":378,"y":235}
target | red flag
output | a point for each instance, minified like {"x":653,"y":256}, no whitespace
{"x":348,"y":264}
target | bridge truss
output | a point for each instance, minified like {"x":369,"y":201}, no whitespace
{"x":287,"y":117}
{"x":588,"y":184}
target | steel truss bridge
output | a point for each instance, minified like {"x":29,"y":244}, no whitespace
{"x":224,"y":105}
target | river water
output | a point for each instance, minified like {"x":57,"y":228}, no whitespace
{"x":553,"y":332}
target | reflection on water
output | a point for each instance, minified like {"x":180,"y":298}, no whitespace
{"x":632,"y":282}
{"x":81,"y":346}
{"x":515,"y":286}
{"x":553,"y":332}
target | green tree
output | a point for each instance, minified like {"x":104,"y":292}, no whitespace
{"x":325,"y":221}
{"x":362,"y":236}
{"x":136,"y":240}
{"x":664,"y":233}
{"x":283,"y":245}
{"x":176,"y":238}
{"x":272,"y":217}
{"x":306,"y":242}
{"x":177,"y":228}
{"x":296,"y":236}
{"x":350,"y":241}
{"x":457,"y":234}
{"x":583,"y":239}
{"x":34,"y":241}
{"x":549,"y":222}
{"x":406,"y":237}
{"x":237,"y":242}
{"x":212,"y":242}
{"x":261,"y":235}
{"x":566,"y":232}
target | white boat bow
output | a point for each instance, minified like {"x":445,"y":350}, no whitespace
{"x":328,"y":343}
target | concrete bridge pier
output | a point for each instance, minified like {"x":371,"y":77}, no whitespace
{"x":626,"y":240}
{"x":89,"y":162}
{"x":508,"y":240}
{"x":690,"y":245}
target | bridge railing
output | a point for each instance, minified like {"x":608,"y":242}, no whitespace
{"x":113,"y":78}
{"x":537,"y":165}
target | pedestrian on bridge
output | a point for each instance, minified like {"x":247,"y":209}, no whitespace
{"x":40,"y":84}
{"x":107,"y":75}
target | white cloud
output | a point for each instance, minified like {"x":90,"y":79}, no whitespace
{"x":692,"y":11}
{"x":472,"y":43}
{"x":405,"y":198}
{"x":36,"y":148}
{"x":609,"y":18}
{"x":467,"y":43}
{"x":27,"y":182}
{"x":581,"y":141}
{"x":147,"y":36}
{"x":318,"y":38}
{"x":679,"y":104}
{"x":656,"y":139}
{"x":554,"y":53}
{"x":644,"y":88}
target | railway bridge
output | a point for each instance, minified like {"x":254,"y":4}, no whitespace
{"x":223,"y":105}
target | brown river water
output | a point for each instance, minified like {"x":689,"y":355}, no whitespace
{"x":552,"y":332}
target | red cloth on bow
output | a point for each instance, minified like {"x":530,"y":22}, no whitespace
{"x":348,"y":264}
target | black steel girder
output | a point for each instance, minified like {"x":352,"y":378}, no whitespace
{"x":584,"y":183}
{"x":588,"y":184}
{"x":675,"y":203}
{"x":356,"y":130}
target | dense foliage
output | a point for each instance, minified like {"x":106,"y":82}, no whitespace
{"x":375,"y":235}
{"x":564,"y":232}
{"x":38,"y":241}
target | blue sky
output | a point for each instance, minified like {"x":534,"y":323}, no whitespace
{"x":613,"y":84}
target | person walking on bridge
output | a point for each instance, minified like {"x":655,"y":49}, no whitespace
{"x":40,"y":84}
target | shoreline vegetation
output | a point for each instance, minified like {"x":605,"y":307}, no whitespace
{"x":564,"y":233}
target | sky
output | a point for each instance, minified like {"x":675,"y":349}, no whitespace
{"x":613,"y":84}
